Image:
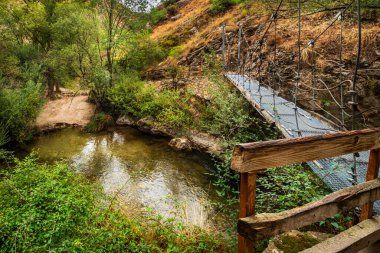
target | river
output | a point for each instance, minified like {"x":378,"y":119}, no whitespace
{"x":141,"y":170}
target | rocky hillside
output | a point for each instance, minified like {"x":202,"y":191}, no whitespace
{"x":193,"y":31}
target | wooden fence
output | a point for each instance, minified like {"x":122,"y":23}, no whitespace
{"x":250,"y":158}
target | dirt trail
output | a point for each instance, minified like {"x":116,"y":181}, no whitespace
{"x":69,"y":110}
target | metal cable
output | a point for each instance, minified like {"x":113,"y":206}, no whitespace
{"x":353,"y":91}
{"x":298,"y":66}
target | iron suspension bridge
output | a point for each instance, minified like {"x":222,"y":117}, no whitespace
{"x":293,"y":121}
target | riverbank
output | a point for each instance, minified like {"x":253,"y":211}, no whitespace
{"x":69,"y":110}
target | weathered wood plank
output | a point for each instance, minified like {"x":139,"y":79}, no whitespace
{"x":352,"y":240}
{"x":372,"y":173}
{"x":262,"y":155}
{"x":247,"y":207}
{"x":265,"y":225}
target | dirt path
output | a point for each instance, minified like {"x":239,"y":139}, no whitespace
{"x":65,"y":111}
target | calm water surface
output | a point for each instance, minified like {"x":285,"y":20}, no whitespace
{"x":142,"y":170}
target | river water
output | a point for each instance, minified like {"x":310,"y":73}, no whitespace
{"x":141,"y":170}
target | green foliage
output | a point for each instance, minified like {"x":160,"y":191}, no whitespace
{"x":175,"y":51}
{"x":175,"y":109}
{"x":135,"y":97}
{"x":288,"y":187}
{"x":4,"y":139}
{"x":142,"y":52}
{"x":99,"y":122}
{"x":157,"y":15}
{"x":218,"y":6}
{"x":132,"y":96}
{"x":19,"y":110}
{"x":229,"y":115}
{"x":51,"y":208}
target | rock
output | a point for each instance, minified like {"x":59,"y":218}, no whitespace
{"x":149,"y":125}
{"x":175,"y":17}
{"x":194,"y":30}
{"x":126,"y":121}
{"x":295,"y":241}
{"x":206,"y":143}
{"x":180,"y":144}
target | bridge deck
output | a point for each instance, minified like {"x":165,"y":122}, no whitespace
{"x":333,"y":171}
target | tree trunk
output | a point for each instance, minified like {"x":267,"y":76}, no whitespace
{"x":50,"y":83}
{"x":110,"y":41}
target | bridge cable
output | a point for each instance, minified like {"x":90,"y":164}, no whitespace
{"x":298,"y":68}
{"x":354,"y":102}
{"x":336,"y":18}
{"x":275,"y":84}
{"x":341,"y":87}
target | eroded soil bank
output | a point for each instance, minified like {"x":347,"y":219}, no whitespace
{"x":66,"y":111}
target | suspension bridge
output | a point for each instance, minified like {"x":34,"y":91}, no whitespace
{"x":347,"y":161}
{"x":293,"y":121}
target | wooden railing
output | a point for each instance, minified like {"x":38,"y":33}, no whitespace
{"x":250,"y":158}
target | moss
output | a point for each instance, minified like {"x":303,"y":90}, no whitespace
{"x":293,"y":244}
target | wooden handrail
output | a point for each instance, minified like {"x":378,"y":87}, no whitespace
{"x":257,"y":156}
{"x":250,"y":158}
{"x":352,"y":240}
{"x":265,"y":225}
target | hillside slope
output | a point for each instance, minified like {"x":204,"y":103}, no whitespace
{"x":193,"y":33}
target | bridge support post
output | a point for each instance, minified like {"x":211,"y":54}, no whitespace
{"x":247,"y":207}
{"x":372,"y":173}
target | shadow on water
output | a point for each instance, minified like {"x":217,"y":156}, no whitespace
{"x":141,"y":169}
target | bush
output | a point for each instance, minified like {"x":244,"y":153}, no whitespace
{"x":157,"y":15}
{"x":132,"y":96}
{"x":218,"y":6}
{"x":135,"y":97}
{"x":99,"y":122}
{"x":51,"y":208}
{"x":142,"y":53}
{"x":19,"y":109}
{"x":288,"y":187}
{"x":231,"y":118}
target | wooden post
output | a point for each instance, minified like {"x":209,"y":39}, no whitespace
{"x":372,"y":173}
{"x":247,"y":207}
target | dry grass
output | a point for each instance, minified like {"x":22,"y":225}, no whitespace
{"x":189,"y":14}
{"x":212,"y":31}
{"x":195,"y":14}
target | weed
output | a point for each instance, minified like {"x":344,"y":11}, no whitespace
{"x":51,"y":208}
{"x":99,"y":122}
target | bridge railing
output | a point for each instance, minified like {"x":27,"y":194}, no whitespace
{"x":250,"y":158}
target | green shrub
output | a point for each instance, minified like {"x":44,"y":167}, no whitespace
{"x":288,"y":187}
{"x":132,"y":96}
{"x":218,"y":6}
{"x":175,"y":51}
{"x":50,"y":208}
{"x":157,"y":15}
{"x":142,"y":52}
{"x":231,"y":118}
{"x":99,"y":122}
{"x":135,"y":97}
{"x":19,"y":109}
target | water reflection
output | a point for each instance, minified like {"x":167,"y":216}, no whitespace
{"x":142,"y":170}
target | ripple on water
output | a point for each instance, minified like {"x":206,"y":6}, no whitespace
{"x":141,"y":169}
